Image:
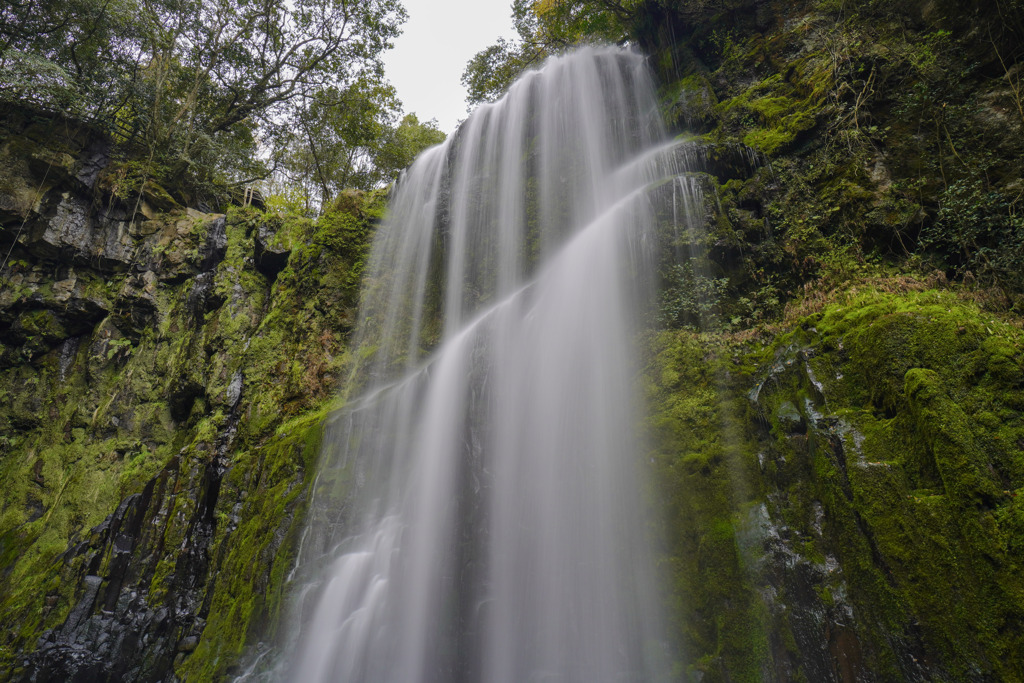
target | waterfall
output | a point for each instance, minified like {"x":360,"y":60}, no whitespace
{"x":478,"y":515}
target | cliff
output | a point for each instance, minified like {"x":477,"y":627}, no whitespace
{"x":836,"y":430}
{"x":843,"y":493}
{"x":164,"y":374}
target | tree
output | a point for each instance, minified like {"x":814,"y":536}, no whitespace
{"x":334,"y":137}
{"x":347,"y":138}
{"x":404,"y":143}
{"x":492,"y":70}
{"x":68,"y":56}
{"x":193,"y":82}
{"x":544,"y":27}
{"x":547,"y":27}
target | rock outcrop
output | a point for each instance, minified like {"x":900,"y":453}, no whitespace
{"x":164,"y":374}
{"x":843,"y":496}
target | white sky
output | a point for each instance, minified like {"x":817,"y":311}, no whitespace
{"x":437,"y":41}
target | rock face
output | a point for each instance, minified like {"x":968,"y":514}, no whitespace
{"x":162,"y":388}
{"x":842,"y":493}
{"x":855,"y":516}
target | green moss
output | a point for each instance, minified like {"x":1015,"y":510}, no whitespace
{"x":881,"y":437}
{"x":923,"y":474}
{"x":247,"y":601}
{"x":945,"y":429}
{"x":774,"y":112}
{"x":149,"y":408}
{"x":701,"y":465}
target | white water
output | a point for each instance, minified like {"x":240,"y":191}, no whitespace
{"x":479,"y":508}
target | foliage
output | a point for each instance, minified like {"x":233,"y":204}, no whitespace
{"x":981,"y":230}
{"x":544,"y":27}
{"x":333,"y":137}
{"x":193,"y":85}
{"x":690,"y":298}
{"x":403,"y":144}
{"x":492,"y":70}
{"x":347,"y":138}
{"x":547,"y":27}
{"x":892,"y":134}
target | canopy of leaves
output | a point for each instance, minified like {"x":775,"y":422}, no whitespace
{"x":405,"y":143}
{"x":192,"y":84}
{"x":548,"y":27}
{"x":347,"y":138}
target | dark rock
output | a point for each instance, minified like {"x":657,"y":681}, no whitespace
{"x":95,"y":158}
{"x":114,"y":632}
{"x":724,"y":161}
{"x":271,"y":258}
{"x":80,"y":315}
{"x":43,"y":327}
{"x":130,"y":361}
{"x":136,"y":303}
{"x":203,"y":296}
{"x":234,"y":394}
{"x":67,"y":228}
{"x":216,"y":244}
{"x":84,"y":607}
{"x":790,"y":419}
{"x":182,"y":396}
{"x":188,"y":644}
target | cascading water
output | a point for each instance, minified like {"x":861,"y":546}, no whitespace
{"x":478,"y":511}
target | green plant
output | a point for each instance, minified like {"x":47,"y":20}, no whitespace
{"x":690,"y":298}
{"x":116,"y":346}
{"x":979,"y":230}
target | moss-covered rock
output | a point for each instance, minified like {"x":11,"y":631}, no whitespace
{"x":842,"y":494}
{"x":161,"y":401}
{"x":892,"y":133}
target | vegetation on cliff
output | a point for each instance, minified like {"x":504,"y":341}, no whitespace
{"x":843,"y":488}
{"x":163,"y":383}
{"x":889,"y":131}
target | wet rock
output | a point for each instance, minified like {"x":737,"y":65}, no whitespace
{"x":216,"y":244}
{"x":81,"y":611}
{"x":724,"y":161}
{"x":270,"y":256}
{"x":790,"y":419}
{"x":694,"y":107}
{"x":114,"y":632}
{"x":203,"y":296}
{"x":106,"y":337}
{"x":82,"y":313}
